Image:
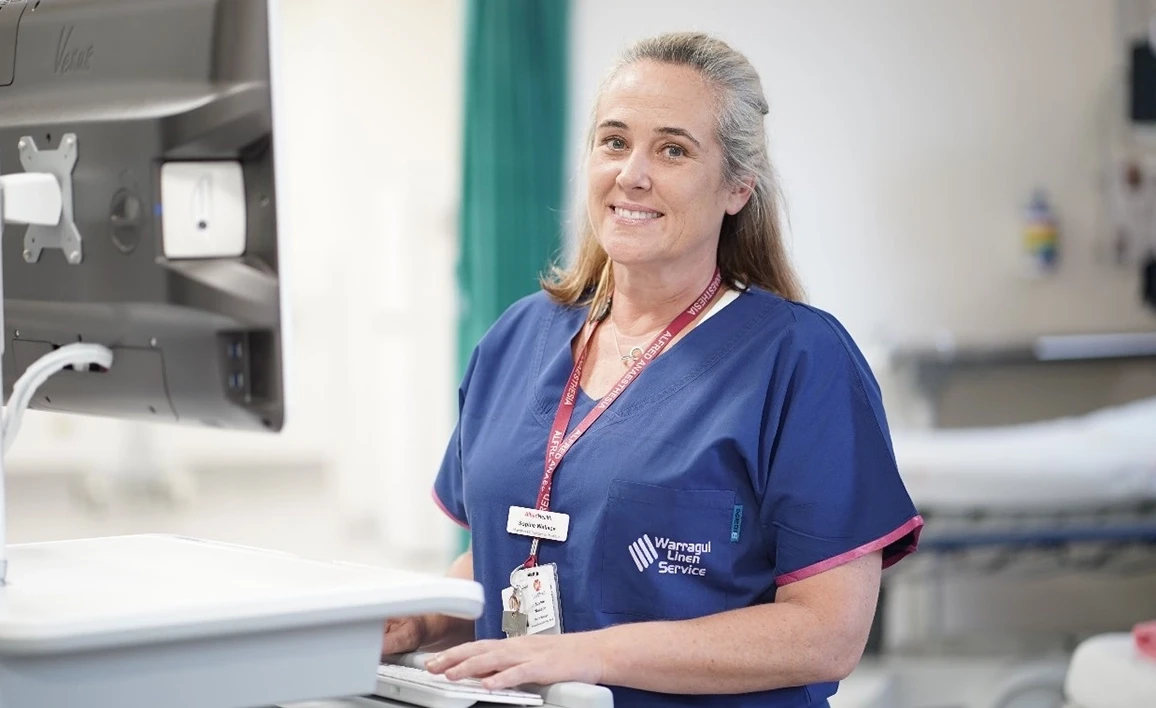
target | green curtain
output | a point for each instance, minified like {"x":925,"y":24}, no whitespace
{"x":513,"y":151}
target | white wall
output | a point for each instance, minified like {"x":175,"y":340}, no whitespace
{"x":908,"y":134}
{"x":375,"y":108}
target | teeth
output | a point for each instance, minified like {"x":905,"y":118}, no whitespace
{"x":627,"y":213}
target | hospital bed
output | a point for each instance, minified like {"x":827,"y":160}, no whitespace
{"x":1104,"y":458}
{"x":1073,"y":494}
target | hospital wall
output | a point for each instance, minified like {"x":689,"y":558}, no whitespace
{"x":375,"y":122}
{"x":908,"y":135}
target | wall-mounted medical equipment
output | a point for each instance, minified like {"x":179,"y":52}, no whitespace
{"x":1130,"y":172}
{"x":1040,"y":235}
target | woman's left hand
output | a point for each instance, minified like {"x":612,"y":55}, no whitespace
{"x":538,"y":659}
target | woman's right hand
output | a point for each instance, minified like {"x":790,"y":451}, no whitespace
{"x":403,"y":635}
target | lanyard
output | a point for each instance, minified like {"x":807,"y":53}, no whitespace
{"x":559,"y":443}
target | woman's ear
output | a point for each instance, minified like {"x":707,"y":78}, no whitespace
{"x":739,"y":195}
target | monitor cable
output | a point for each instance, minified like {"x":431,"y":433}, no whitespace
{"x":33,"y":198}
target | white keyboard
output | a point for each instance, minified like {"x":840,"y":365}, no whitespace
{"x":421,"y":688}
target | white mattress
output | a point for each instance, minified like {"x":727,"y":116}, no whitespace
{"x":1108,"y":672}
{"x":1105,"y":457}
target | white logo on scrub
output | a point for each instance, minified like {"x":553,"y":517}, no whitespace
{"x":673,"y":557}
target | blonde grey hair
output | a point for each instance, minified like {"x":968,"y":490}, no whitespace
{"x":751,"y":247}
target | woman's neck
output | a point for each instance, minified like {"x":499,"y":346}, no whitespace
{"x":645,"y":302}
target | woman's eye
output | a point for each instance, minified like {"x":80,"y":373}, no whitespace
{"x":674,"y":151}
{"x":616,"y":143}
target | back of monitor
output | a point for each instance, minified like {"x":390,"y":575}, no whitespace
{"x":107,"y":94}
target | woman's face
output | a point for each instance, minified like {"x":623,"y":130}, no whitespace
{"x":655,"y":176}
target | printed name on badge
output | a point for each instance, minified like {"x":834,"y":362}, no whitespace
{"x":549,"y":525}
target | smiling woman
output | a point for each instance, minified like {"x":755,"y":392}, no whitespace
{"x":681,"y":473}
{"x":645,"y":149}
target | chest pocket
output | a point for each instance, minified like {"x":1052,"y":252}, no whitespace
{"x":666,"y":553}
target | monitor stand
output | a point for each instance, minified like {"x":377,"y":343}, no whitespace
{"x":164,"y":620}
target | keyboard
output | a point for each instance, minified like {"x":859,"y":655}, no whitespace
{"x":421,"y":688}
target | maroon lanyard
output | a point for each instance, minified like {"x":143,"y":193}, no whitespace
{"x":559,"y":443}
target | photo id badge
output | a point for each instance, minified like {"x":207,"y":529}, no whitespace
{"x":543,"y":607}
{"x":548,"y":525}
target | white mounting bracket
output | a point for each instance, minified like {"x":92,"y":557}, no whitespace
{"x":58,"y":163}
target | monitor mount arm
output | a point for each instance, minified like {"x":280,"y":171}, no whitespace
{"x":43,"y":200}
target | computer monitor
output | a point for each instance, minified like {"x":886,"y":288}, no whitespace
{"x":158,"y":117}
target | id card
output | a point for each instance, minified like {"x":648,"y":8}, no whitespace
{"x":549,"y":525}
{"x":543,"y":608}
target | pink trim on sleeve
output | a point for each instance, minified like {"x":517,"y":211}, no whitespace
{"x":915,"y":524}
{"x":437,"y":500}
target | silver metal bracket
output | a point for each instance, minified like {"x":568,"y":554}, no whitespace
{"x":59,"y":163}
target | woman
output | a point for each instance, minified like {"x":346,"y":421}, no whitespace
{"x":693,"y":467}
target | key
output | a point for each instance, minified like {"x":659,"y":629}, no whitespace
{"x":515,"y":624}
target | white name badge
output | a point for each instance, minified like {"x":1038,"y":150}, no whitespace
{"x":549,"y":525}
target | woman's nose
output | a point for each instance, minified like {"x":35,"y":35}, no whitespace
{"x":635,"y":172}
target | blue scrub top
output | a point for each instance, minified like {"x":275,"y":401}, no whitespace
{"x":754,"y":453}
